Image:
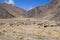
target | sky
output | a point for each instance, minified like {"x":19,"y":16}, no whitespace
{"x":27,"y":4}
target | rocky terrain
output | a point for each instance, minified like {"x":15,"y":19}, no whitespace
{"x":40,"y":23}
{"x":29,"y":29}
{"x":10,"y":11}
{"x":50,"y":11}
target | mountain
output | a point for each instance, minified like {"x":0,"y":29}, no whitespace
{"x":50,"y":11}
{"x":11,"y":11}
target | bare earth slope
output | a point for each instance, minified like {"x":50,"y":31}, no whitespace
{"x":9,"y":11}
{"x":50,"y":11}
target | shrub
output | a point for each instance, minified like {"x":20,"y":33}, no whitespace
{"x":39,"y":38}
{"x":46,"y":26}
{"x":4,"y":31}
{"x":1,"y":33}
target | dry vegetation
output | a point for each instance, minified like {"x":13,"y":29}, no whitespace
{"x":29,"y":29}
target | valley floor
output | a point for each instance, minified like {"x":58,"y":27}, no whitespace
{"x":29,"y":29}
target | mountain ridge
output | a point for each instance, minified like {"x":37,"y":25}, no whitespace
{"x":13,"y":10}
{"x":50,"y":11}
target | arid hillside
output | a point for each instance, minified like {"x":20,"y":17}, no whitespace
{"x":51,"y":11}
{"x":10,"y":11}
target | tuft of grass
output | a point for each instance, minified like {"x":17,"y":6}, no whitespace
{"x":19,"y":37}
{"x":39,"y":38}
{"x":1,"y":33}
{"x":4,"y":31}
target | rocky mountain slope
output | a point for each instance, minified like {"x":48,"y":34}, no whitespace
{"x":50,"y":11}
{"x":10,"y":11}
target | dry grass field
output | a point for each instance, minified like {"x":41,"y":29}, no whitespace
{"x":29,"y":29}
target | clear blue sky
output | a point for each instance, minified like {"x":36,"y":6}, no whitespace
{"x":27,"y":4}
